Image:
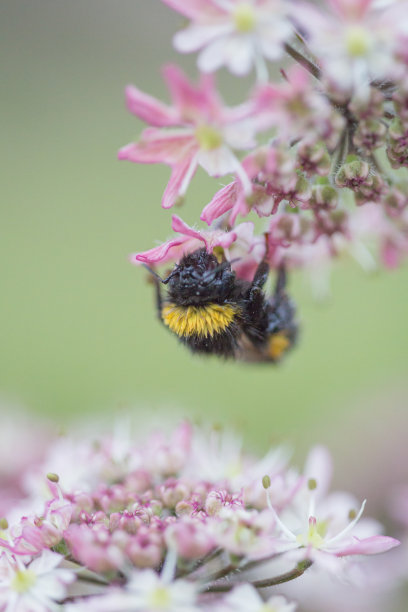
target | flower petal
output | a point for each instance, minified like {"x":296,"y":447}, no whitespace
{"x":194,"y":9}
{"x":196,"y":103}
{"x":197,"y":36}
{"x":221,"y":203}
{"x":181,"y":176}
{"x":149,"y":109}
{"x":157,"y":254}
{"x":158,"y":146}
{"x":369,"y":546}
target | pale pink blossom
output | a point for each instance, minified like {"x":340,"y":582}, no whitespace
{"x":237,"y":34}
{"x":324,"y":527}
{"x":354,"y":41}
{"x":203,"y":132}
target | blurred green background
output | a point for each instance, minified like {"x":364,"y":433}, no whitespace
{"x":79,"y":334}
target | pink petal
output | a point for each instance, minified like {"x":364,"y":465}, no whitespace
{"x":223,"y":201}
{"x":224,"y":239}
{"x":181,"y":176}
{"x":195,"y":103}
{"x":157,"y":254}
{"x":369,"y":546}
{"x":149,"y":109}
{"x":194,"y":9}
{"x":178,"y":225}
{"x":158,"y":146}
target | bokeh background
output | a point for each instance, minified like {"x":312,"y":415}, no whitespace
{"x":79,"y":335}
{"x":78,"y":331}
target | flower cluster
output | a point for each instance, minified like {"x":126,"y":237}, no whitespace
{"x":177,"y":522}
{"x":319,"y":154}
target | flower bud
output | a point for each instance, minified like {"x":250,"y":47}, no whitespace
{"x":370,"y":135}
{"x":324,"y":196}
{"x":353,"y":174}
{"x":314,"y":159}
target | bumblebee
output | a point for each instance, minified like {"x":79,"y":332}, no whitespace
{"x":213,"y":312}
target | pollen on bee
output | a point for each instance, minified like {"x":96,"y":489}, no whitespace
{"x":198,"y":320}
{"x":278,"y":343}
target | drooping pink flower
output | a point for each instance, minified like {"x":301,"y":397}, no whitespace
{"x":189,"y":241}
{"x":202,"y":132}
{"x":237,"y":34}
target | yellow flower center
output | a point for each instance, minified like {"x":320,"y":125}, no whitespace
{"x":244,"y":17}
{"x":358,"y":41}
{"x":160,"y":598}
{"x":314,"y":536}
{"x":208,"y":137}
{"x":23,"y":581}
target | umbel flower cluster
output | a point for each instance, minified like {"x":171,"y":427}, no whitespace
{"x":320,"y":152}
{"x":183,"y":521}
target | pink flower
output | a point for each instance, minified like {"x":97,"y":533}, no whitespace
{"x":273,"y":173}
{"x":189,"y":241}
{"x":237,"y":34}
{"x":203,"y":132}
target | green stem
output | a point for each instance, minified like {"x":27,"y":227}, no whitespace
{"x":268,"y":582}
{"x":303,"y":61}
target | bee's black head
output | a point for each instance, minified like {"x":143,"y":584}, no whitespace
{"x":200,"y":278}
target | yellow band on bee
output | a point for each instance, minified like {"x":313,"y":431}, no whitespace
{"x":198,"y":320}
{"x":278,"y":343}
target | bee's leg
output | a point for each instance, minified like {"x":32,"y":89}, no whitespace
{"x":159,"y":298}
{"x":280,"y":281}
{"x":255,"y":308}
{"x":261,"y":275}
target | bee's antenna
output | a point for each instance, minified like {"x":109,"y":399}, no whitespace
{"x":220,"y":267}
{"x":153,"y":272}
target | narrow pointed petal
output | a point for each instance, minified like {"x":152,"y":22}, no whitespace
{"x":194,"y":9}
{"x":178,"y":225}
{"x":157,"y":254}
{"x":149,"y":109}
{"x":221,"y":203}
{"x":369,"y":546}
{"x":181,"y":175}
{"x":195,"y":102}
{"x":158,"y":146}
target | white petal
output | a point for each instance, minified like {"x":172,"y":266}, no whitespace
{"x":195,"y":37}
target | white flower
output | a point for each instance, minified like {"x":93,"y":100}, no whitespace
{"x":247,"y":599}
{"x":146,"y":591}
{"x":34,"y":587}
{"x":237,"y":34}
